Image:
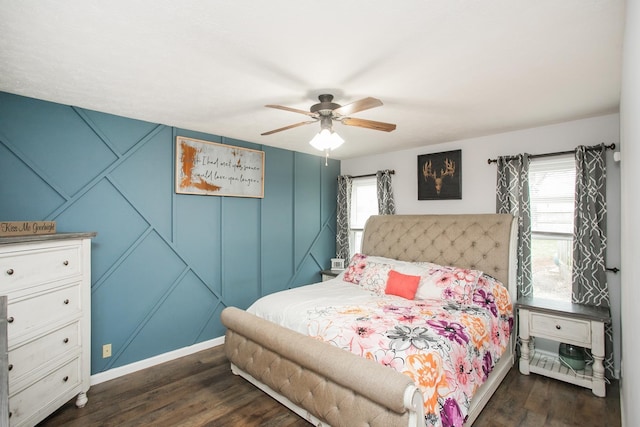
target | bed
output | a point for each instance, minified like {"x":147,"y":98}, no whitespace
{"x":294,"y":350}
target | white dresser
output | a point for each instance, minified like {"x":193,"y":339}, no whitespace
{"x":47,"y":280}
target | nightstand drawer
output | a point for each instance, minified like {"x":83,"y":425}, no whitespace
{"x":560,"y":328}
{"x":329,"y":274}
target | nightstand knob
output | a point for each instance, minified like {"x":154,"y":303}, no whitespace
{"x":10,"y":367}
{"x":66,"y":301}
{"x":65,"y":379}
{"x":10,"y":271}
{"x":66,"y":340}
{"x":558,"y":327}
{"x":66,"y":262}
{"x":10,"y":319}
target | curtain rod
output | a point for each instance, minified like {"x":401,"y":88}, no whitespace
{"x":559,"y":153}
{"x":369,"y":175}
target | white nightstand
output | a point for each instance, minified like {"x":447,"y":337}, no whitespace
{"x":329,"y":274}
{"x":575,"y":324}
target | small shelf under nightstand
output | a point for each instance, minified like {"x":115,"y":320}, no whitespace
{"x":566,"y":322}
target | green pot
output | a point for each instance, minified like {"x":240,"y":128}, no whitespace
{"x":572,"y":355}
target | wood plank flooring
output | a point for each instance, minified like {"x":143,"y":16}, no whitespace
{"x":200,"y":390}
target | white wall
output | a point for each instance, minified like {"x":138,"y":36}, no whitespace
{"x":479,"y":178}
{"x":630,"y":174}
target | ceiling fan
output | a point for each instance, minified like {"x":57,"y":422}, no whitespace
{"x":326,"y":112}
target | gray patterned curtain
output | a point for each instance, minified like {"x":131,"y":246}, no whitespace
{"x":589,"y":228}
{"x":342,"y":216}
{"x":512,"y":196}
{"x":589,"y":278}
{"x":386,"y":204}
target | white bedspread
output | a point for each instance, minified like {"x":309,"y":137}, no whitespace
{"x":293,"y":305}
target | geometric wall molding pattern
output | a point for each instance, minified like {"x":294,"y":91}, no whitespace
{"x":164,"y":265}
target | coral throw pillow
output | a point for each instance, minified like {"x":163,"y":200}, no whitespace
{"x":402,"y":285}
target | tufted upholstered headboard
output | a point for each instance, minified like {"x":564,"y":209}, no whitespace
{"x":483,"y":242}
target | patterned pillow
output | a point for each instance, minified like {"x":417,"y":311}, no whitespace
{"x":376,"y":272}
{"x":353,"y":272}
{"x":374,"y":278}
{"x":448,"y":283}
{"x":359,"y":262}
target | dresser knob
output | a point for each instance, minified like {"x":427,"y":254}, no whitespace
{"x":10,"y":319}
{"x":66,"y":301}
{"x":65,"y":379}
{"x":10,"y":367}
{"x":10,"y":414}
{"x":10,"y":272}
{"x":66,"y":262}
{"x":558,"y":327}
{"x":66,"y":340}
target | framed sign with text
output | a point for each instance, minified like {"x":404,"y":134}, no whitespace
{"x":213,"y":169}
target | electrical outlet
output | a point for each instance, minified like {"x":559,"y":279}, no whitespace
{"x":106,"y":351}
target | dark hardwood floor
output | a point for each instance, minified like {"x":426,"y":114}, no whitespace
{"x":200,"y":390}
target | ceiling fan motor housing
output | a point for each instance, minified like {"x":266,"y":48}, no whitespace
{"x":325,"y":106}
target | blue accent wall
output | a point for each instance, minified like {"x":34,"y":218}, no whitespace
{"x":163,"y":264}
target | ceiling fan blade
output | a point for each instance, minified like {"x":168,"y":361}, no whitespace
{"x":293,"y":110}
{"x":361,"y":105}
{"x":288,"y":127}
{"x":369,"y":124}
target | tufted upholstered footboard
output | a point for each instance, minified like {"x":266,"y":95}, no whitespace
{"x":327,"y":385}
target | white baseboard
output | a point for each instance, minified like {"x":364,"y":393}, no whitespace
{"x":153,"y":361}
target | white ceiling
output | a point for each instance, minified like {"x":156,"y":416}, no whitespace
{"x":445,"y":69}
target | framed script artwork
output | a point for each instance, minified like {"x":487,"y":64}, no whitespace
{"x":440,"y":176}
{"x":213,"y":169}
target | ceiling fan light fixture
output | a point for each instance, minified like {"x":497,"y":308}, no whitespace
{"x":326,"y":140}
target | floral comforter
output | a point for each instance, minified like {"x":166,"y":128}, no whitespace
{"x":447,"y":348}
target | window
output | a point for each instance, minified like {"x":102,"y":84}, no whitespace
{"x":552,"y":189}
{"x":364,"y":203}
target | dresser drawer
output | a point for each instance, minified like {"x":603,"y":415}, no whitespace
{"x":27,"y":268}
{"x":560,"y":328}
{"x":58,"y":384}
{"x":36,"y":353}
{"x":41,"y":309}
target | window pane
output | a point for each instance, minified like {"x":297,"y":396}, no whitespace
{"x":364,"y":201}
{"x":552,"y":188}
{"x":356,"y":242}
{"x":551,"y":266}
